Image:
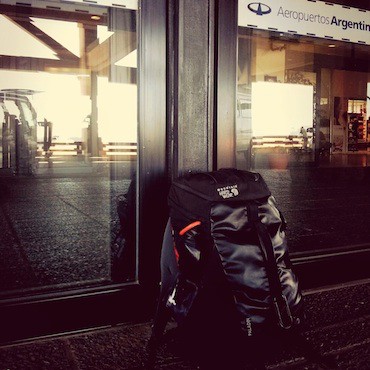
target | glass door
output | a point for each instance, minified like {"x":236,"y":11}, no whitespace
{"x":68,"y":154}
{"x":301,"y":122}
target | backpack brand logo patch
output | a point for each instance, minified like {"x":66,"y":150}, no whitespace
{"x":247,"y":326}
{"x":248,"y":323}
{"x":229,"y":191}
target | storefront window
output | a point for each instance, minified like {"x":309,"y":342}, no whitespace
{"x":302,"y":116}
{"x":68,"y":145}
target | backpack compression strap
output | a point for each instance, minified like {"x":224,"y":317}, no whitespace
{"x":281,"y":306}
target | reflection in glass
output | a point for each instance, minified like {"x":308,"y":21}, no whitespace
{"x":68,"y":106}
{"x":302,"y":121}
{"x":284,"y":124}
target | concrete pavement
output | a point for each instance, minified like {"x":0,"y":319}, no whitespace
{"x":338,"y":327}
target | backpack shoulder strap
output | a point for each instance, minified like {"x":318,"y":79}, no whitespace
{"x":280,"y":303}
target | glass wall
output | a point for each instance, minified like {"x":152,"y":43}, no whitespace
{"x":68,"y":145}
{"x":302,"y":121}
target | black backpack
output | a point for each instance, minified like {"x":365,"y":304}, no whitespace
{"x":226,"y":271}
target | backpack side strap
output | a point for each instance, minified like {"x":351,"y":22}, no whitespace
{"x":282,"y":310}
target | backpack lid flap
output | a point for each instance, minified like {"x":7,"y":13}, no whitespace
{"x":223,"y":185}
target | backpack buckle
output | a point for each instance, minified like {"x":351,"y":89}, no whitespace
{"x":182,"y":298}
{"x":282,"y":310}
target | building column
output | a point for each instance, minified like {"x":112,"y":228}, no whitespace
{"x":192,"y":57}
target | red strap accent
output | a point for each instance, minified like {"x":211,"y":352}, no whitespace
{"x":189,"y":227}
{"x":177,"y":256}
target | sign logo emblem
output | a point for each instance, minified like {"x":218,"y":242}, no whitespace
{"x":259,"y":8}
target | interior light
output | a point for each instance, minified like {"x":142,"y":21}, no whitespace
{"x":95,"y":17}
{"x":331,"y":46}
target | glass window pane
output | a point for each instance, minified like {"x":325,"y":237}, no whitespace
{"x":68,"y":146}
{"x":302,"y":121}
